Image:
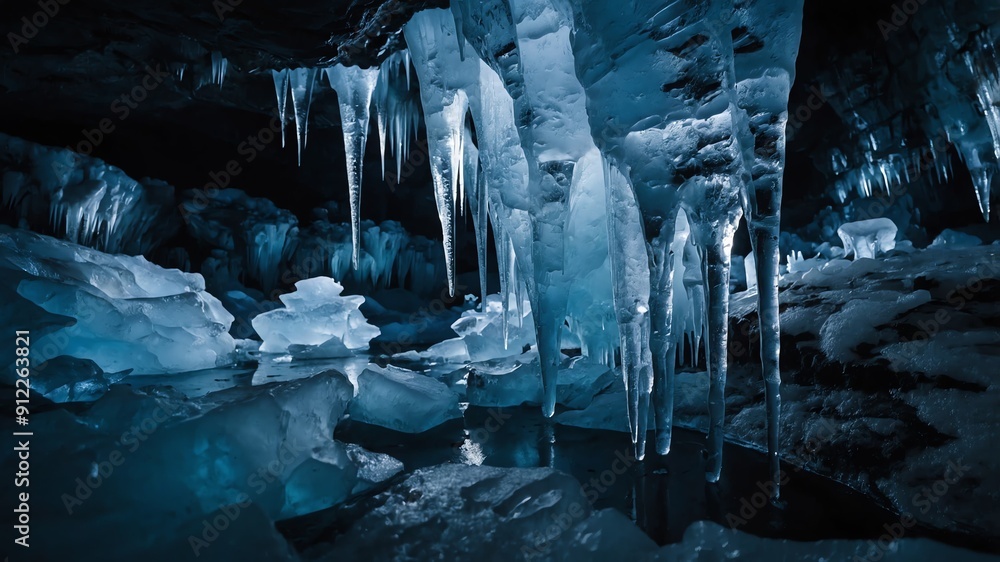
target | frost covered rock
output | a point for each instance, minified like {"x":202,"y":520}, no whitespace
{"x":868,"y":238}
{"x":316,"y":322}
{"x":121,"y":312}
{"x":954,"y":238}
{"x":402,"y":400}
{"x":82,"y":199}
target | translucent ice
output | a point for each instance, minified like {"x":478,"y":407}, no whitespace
{"x":301,"y":82}
{"x":444,"y":79}
{"x":121,"y":312}
{"x":868,"y":238}
{"x":403,"y":400}
{"x":354,"y":86}
{"x":316,"y":322}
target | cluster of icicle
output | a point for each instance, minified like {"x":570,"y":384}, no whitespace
{"x":951,"y":103}
{"x":613,"y":156}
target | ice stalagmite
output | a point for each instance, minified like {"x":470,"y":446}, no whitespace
{"x":354,"y":86}
{"x":766,"y":46}
{"x":281,"y":92}
{"x":301,"y":81}
{"x":433,"y":45}
{"x":661,"y":100}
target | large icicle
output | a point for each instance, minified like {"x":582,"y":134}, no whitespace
{"x":280,"y":78}
{"x":354,"y":86}
{"x":540,"y":77}
{"x":433,"y":44}
{"x":301,"y":81}
{"x":479,"y":201}
{"x":630,"y":272}
{"x":764,"y":77}
{"x":677,"y":145}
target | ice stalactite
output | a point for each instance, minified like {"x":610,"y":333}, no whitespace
{"x":354,"y":86}
{"x":479,"y":201}
{"x":432,"y":41}
{"x":631,"y":288}
{"x":301,"y":82}
{"x":219,"y":67}
{"x":538,"y":74}
{"x":397,"y":110}
{"x":661,"y":100}
{"x":280,"y":78}
{"x":766,"y":47}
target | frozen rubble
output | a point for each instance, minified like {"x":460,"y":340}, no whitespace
{"x":402,"y":400}
{"x":316,"y":322}
{"x":266,"y":452}
{"x":121,"y":312}
{"x":257,"y":235}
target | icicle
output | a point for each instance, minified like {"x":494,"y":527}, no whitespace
{"x":503,"y":255}
{"x":219,"y":66}
{"x":631,"y":286}
{"x":280,"y":78}
{"x":302,"y":81}
{"x":354,"y":86}
{"x":430,"y":37}
{"x":478,"y":197}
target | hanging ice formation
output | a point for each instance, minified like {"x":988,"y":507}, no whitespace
{"x":300,"y":82}
{"x":219,"y":67}
{"x":614,"y":156}
{"x":952,"y":76}
{"x":280,"y":78}
{"x":354,"y":86}
{"x":397,"y":109}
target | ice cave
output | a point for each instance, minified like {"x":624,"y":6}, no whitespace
{"x":477,"y":280}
